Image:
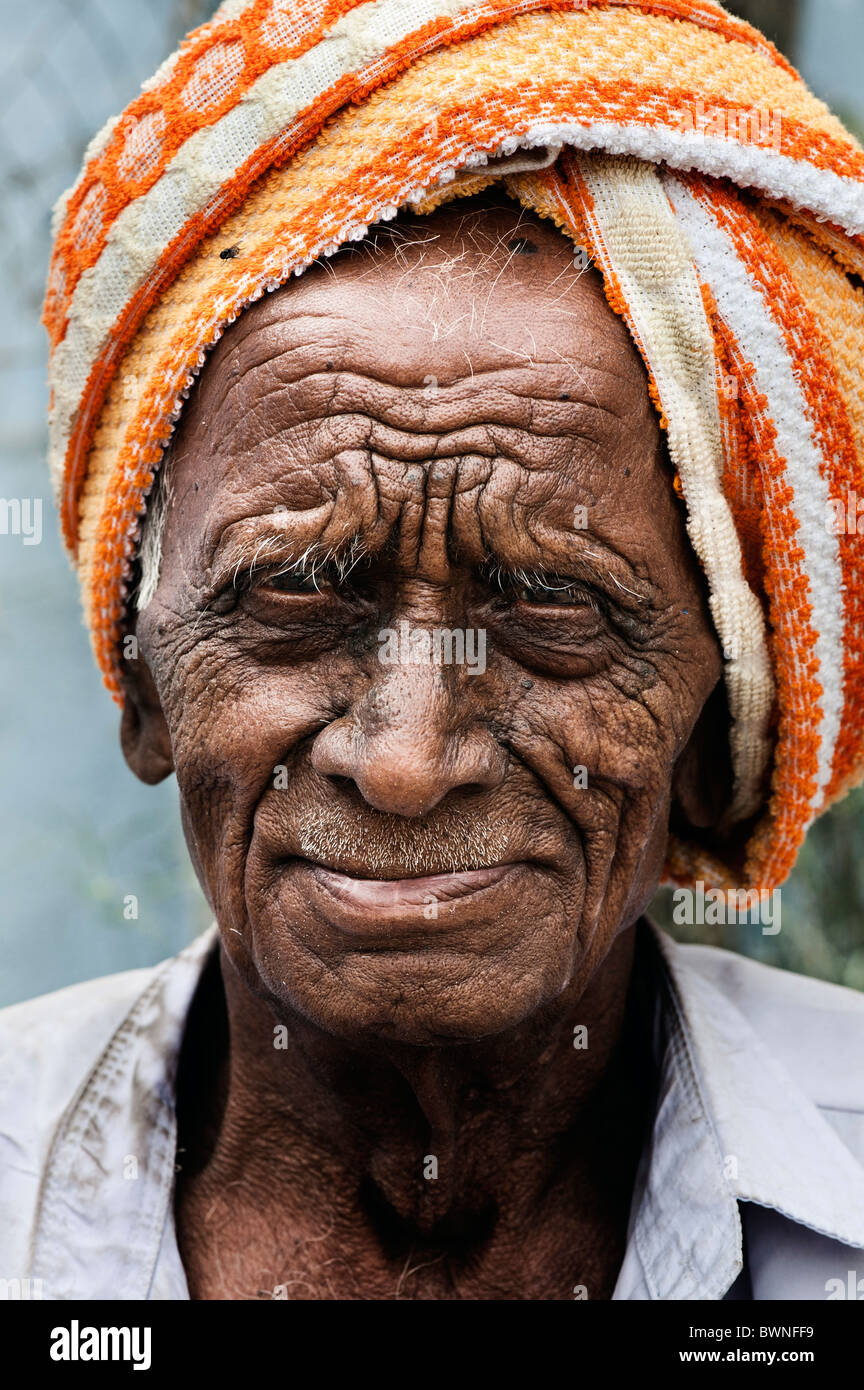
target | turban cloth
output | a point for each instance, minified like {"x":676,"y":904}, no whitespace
{"x":721,"y":202}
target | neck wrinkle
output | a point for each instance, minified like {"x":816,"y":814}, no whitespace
{"x":502,"y":1117}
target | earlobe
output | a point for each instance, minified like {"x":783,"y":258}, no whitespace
{"x":703,"y":778}
{"x":144,"y":735}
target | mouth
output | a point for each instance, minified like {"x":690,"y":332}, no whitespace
{"x":363,"y":905}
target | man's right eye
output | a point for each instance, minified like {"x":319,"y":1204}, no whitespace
{"x":297,"y":582}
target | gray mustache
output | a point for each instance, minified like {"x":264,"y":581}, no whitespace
{"x":393,"y":847}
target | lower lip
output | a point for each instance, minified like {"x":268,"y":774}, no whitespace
{"x":380,"y":905}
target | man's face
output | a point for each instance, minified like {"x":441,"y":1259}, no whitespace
{"x":424,"y":793}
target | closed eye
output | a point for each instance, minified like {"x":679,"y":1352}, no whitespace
{"x":560,"y":595}
{"x":540,"y":589}
{"x":297,"y":582}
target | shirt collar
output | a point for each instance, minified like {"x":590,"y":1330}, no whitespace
{"x":109,"y":1180}
{"x":730,"y":1125}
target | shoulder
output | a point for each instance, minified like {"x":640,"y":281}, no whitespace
{"x":52,"y":1048}
{"x":814,"y":1029}
{"x":48,"y":1048}
{"x":57,"y":1036}
{"x":51,"y":1044}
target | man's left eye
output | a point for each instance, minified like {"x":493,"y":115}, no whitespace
{"x":563,"y":595}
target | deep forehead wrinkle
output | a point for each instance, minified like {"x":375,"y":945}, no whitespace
{"x":421,"y":521}
{"x":319,"y":403}
{"x":315,"y":420}
{"x":551,"y":397}
{"x":298,"y":342}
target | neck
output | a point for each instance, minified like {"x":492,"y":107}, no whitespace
{"x":433,"y":1144}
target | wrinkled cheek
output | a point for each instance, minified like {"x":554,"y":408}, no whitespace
{"x":219,"y":777}
{"x":610,"y":765}
{"x":594,"y":760}
{"x":212,"y":809}
{"x":233,"y":729}
{"x":624,"y":847}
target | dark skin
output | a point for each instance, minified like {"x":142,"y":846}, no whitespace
{"x":424,"y":901}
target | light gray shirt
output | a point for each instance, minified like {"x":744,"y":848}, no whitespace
{"x":751,"y":1185}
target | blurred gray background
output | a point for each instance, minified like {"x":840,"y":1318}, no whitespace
{"x":78,"y":834}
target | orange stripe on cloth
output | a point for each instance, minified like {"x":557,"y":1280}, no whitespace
{"x":836,"y":304}
{"x":841,"y":467}
{"x":848,"y":251}
{"x":225,"y":60}
{"x":558,"y":101}
{"x":570,"y":193}
{"x":775,"y":842}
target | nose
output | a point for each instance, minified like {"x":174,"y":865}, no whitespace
{"x":405,"y":746}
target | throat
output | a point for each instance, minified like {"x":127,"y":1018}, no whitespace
{"x":434,"y":1222}
{"x":497,"y":1165}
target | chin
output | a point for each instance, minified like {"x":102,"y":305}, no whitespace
{"x":408,"y":966}
{"x":424,"y":996}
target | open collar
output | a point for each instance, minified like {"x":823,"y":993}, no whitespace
{"x":730,"y":1125}
{"x":109,"y":1179}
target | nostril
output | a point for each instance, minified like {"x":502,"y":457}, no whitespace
{"x":406,"y":767}
{"x":340,"y":780}
{"x":473,"y":788}
{"x":332,"y":752}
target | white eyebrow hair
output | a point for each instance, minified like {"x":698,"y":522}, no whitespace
{"x":340,"y":557}
{"x":566,"y":570}
{"x":277,"y":552}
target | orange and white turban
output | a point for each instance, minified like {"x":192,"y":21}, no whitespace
{"x":722,"y":203}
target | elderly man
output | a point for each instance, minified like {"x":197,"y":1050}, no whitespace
{"x":485,"y":580}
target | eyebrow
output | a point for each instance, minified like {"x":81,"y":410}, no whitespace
{"x":260,"y":544}
{"x":273,"y":549}
{"x":575,"y":571}
{"x":588,"y":561}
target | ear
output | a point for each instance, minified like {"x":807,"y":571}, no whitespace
{"x":703,"y":778}
{"x":144,"y":735}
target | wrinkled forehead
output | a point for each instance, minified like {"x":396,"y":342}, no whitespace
{"x":460,"y":369}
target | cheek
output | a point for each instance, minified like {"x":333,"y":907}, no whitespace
{"x":607,"y":756}
{"x":597,"y":742}
{"x":234,"y":727}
